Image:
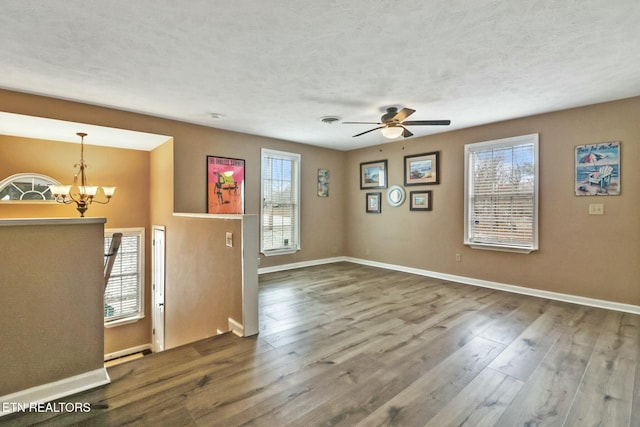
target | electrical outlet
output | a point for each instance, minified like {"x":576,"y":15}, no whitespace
{"x":596,"y":209}
{"x":229,"y":239}
{"x":458,"y":258}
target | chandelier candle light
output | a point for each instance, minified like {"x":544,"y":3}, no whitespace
{"x":79,"y":192}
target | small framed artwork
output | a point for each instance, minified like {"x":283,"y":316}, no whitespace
{"x":598,"y":169}
{"x":373,"y":203}
{"x":373,"y":174}
{"x":323,"y":183}
{"x":420,"y":200}
{"x":225,"y":185}
{"x":422,"y":169}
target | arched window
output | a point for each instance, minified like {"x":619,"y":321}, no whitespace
{"x":26,"y":187}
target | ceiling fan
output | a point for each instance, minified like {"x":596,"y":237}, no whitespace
{"x":393,"y":123}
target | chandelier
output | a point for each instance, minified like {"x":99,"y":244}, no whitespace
{"x":79,"y":192}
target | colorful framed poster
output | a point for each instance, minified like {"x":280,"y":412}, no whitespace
{"x":373,"y":174}
{"x":598,"y":169}
{"x":422,"y":169}
{"x":323,"y":183}
{"x":373,"y":203}
{"x":225,"y":185}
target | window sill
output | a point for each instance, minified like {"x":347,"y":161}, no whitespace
{"x":28,"y":202}
{"x":274,"y":252}
{"x":124,"y":321}
{"x":501,"y":248}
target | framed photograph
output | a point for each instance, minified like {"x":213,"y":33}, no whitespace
{"x":225,"y":185}
{"x":422,"y":169}
{"x":373,"y":203}
{"x":420,"y":200}
{"x":598,"y":169}
{"x":323,"y":183}
{"x":373,"y":174}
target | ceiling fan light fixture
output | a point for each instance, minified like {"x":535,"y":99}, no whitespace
{"x":392,"y":131}
{"x":393,"y":123}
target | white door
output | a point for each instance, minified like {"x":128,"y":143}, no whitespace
{"x":157,"y":278}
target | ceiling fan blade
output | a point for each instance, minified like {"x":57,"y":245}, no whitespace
{"x":427,"y":123}
{"x":406,"y":132}
{"x":403,"y":114}
{"x":370,"y":130}
{"x":361,"y":123}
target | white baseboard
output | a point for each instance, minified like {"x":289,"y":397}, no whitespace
{"x":127,"y":352}
{"x":592,"y":302}
{"x":236,"y":327}
{"x":55,"y":390}
{"x":302,"y":264}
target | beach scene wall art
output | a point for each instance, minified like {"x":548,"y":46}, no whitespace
{"x":598,"y":169}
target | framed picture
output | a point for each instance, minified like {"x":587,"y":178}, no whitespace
{"x":373,"y":174}
{"x":420,"y":200}
{"x":422,"y":169}
{"x":598,"y":169}
{"x":373,"y":203}
{"x":225,"y":185}
{"x":323,"y":183}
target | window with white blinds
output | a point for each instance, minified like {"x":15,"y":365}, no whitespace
{"x":280,"y":212}
{"x":123,"y":297}
{"x":501,"y":194}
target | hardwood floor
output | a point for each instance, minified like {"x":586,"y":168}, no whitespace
{"x":350,"y":345}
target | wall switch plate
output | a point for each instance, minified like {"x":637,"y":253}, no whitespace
{"x":229,"y":239}
{"x":596,"y":209}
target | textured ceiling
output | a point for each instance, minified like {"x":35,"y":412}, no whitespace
{"x":274,"y":68}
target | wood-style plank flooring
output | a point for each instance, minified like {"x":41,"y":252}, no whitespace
{"x":351,"y":345}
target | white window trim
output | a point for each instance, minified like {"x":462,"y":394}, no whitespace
{"x":505,"y":142}
{"x":11,"y":179}
{"x":285,"y":155}
{"x":140,"y":314}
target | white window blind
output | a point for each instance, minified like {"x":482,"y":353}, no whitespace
{"x":123,"y":298}
{"x":280,"y":218}
{"x":501,"y":188}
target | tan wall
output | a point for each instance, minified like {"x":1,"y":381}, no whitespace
{"x":126,"y":169}
{"x":181,"y":166}
{"x":322,"y":219}
{"x":161,"y":191}
{"x":579,"y":254}
{"x":322,"y":234}
{"x":591,"y":256}
{"x":51,"y":321}
{"x":204,"y":279}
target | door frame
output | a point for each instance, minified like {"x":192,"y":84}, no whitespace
{"x":158,"y":276}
